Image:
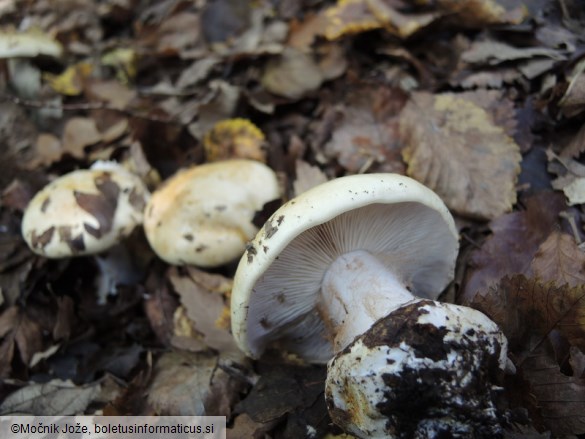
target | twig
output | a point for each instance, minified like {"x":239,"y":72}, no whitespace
{"x":84,"y":106}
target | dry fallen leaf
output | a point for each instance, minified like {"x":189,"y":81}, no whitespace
{"x":528,"y":311}
{"x":204,"y":297}
{"x":181,"y":383}
{"x":571,"y":177}
{"x":515,"y":240}
{"x":454,"y":146}
{"x":54,"y":398}
{"x":365,"y":136}
{"x":573,"y":102}
{"x":48,"y":150}
{"x":349,"y":17}
{"x":307,"y":176}
{"x":480,"y":13}
{"x":245,"y":426}
{"x":495,"y":52}
{"x":292,"y":75}
{"x":113,"y":93}
{"x":530,"y":314}
{"x":560,"y":398}
{"x":560,"y":260}
{"x":78,"y":133}
{"x":18,"y":330}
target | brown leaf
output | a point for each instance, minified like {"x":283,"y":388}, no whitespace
{"x":292,"y":75}
{"x":160,"y":307}
{"x":303,"y":34}
{"x":561,"y":398}
{"x":576,"y":145}
{"x":178,"y":33}
{"x":223,"y":393}
{"x":571,"y":177}
{"x":6,"y":356}
{"x":181,"y":383}
{"x":8,"y":320}
{"x":283,"y":389}
{"x":28,"y":337}
{"x":78,"y":133}
{"x":528,"y":311}
{"x":349,"y":17}
{"x":202,"y":296}
{"x":48,"y":149}
{"x":515,"y":240}
{"x":573,"y":102}
{"x":454,"y":146}
{"x":480,"y":13}
{"x":365,"y":138}
{"x":245,"y":426}
{"x":560,"y":260}
{"x":112,"y":92}
{"x":16,"y":195}
{"x":307,"y":176}
{"x":494,"y":52}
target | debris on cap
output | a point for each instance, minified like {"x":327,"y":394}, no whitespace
{"x":84,"y":212}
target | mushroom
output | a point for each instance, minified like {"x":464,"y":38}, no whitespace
{"x":87,"y":212}
{"x":427,"y":369}
{"x":354,"y":256}
{"x":203,"y":215}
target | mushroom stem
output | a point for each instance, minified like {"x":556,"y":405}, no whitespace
{"x":358,"y":290}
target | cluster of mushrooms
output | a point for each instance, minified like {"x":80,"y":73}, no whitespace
{"x":347,"y":273}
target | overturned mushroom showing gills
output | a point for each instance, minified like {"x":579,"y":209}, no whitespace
{"x":203,"y":215}
{"x":347,"y":258}
{"x":84,"y":212}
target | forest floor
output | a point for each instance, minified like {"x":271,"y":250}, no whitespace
{"x":482,"y":101}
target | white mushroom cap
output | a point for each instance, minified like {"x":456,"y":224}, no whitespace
{"x":203,"y":215}
{"x":428,"y":369}
{"x":276,"y":290}
{"x":84,"y":212}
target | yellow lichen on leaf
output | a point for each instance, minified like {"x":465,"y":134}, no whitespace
{"x":349,"y":17}
{"x":182,"y":326}
{"x":124,"y":63}
{"x":70,"y":82}
{"x":235,"y":138}
{"x":454,"y":146}
{"x":224,"y":321}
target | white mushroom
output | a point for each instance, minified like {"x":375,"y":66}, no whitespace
{"x":87,"y":212}
{"x":84,"y":212}
{"x":203,"y":215}
{"x":342,"y":256}
{"x":426,"y":370}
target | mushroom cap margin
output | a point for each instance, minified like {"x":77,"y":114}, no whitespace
{"x":317,"y":206}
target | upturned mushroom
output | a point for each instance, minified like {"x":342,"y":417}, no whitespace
{"x":203,"y":215}
{"x":87,"y":212}
{"x":350,"y":270}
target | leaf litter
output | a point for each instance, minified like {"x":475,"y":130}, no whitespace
{"x":460,"y":95}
